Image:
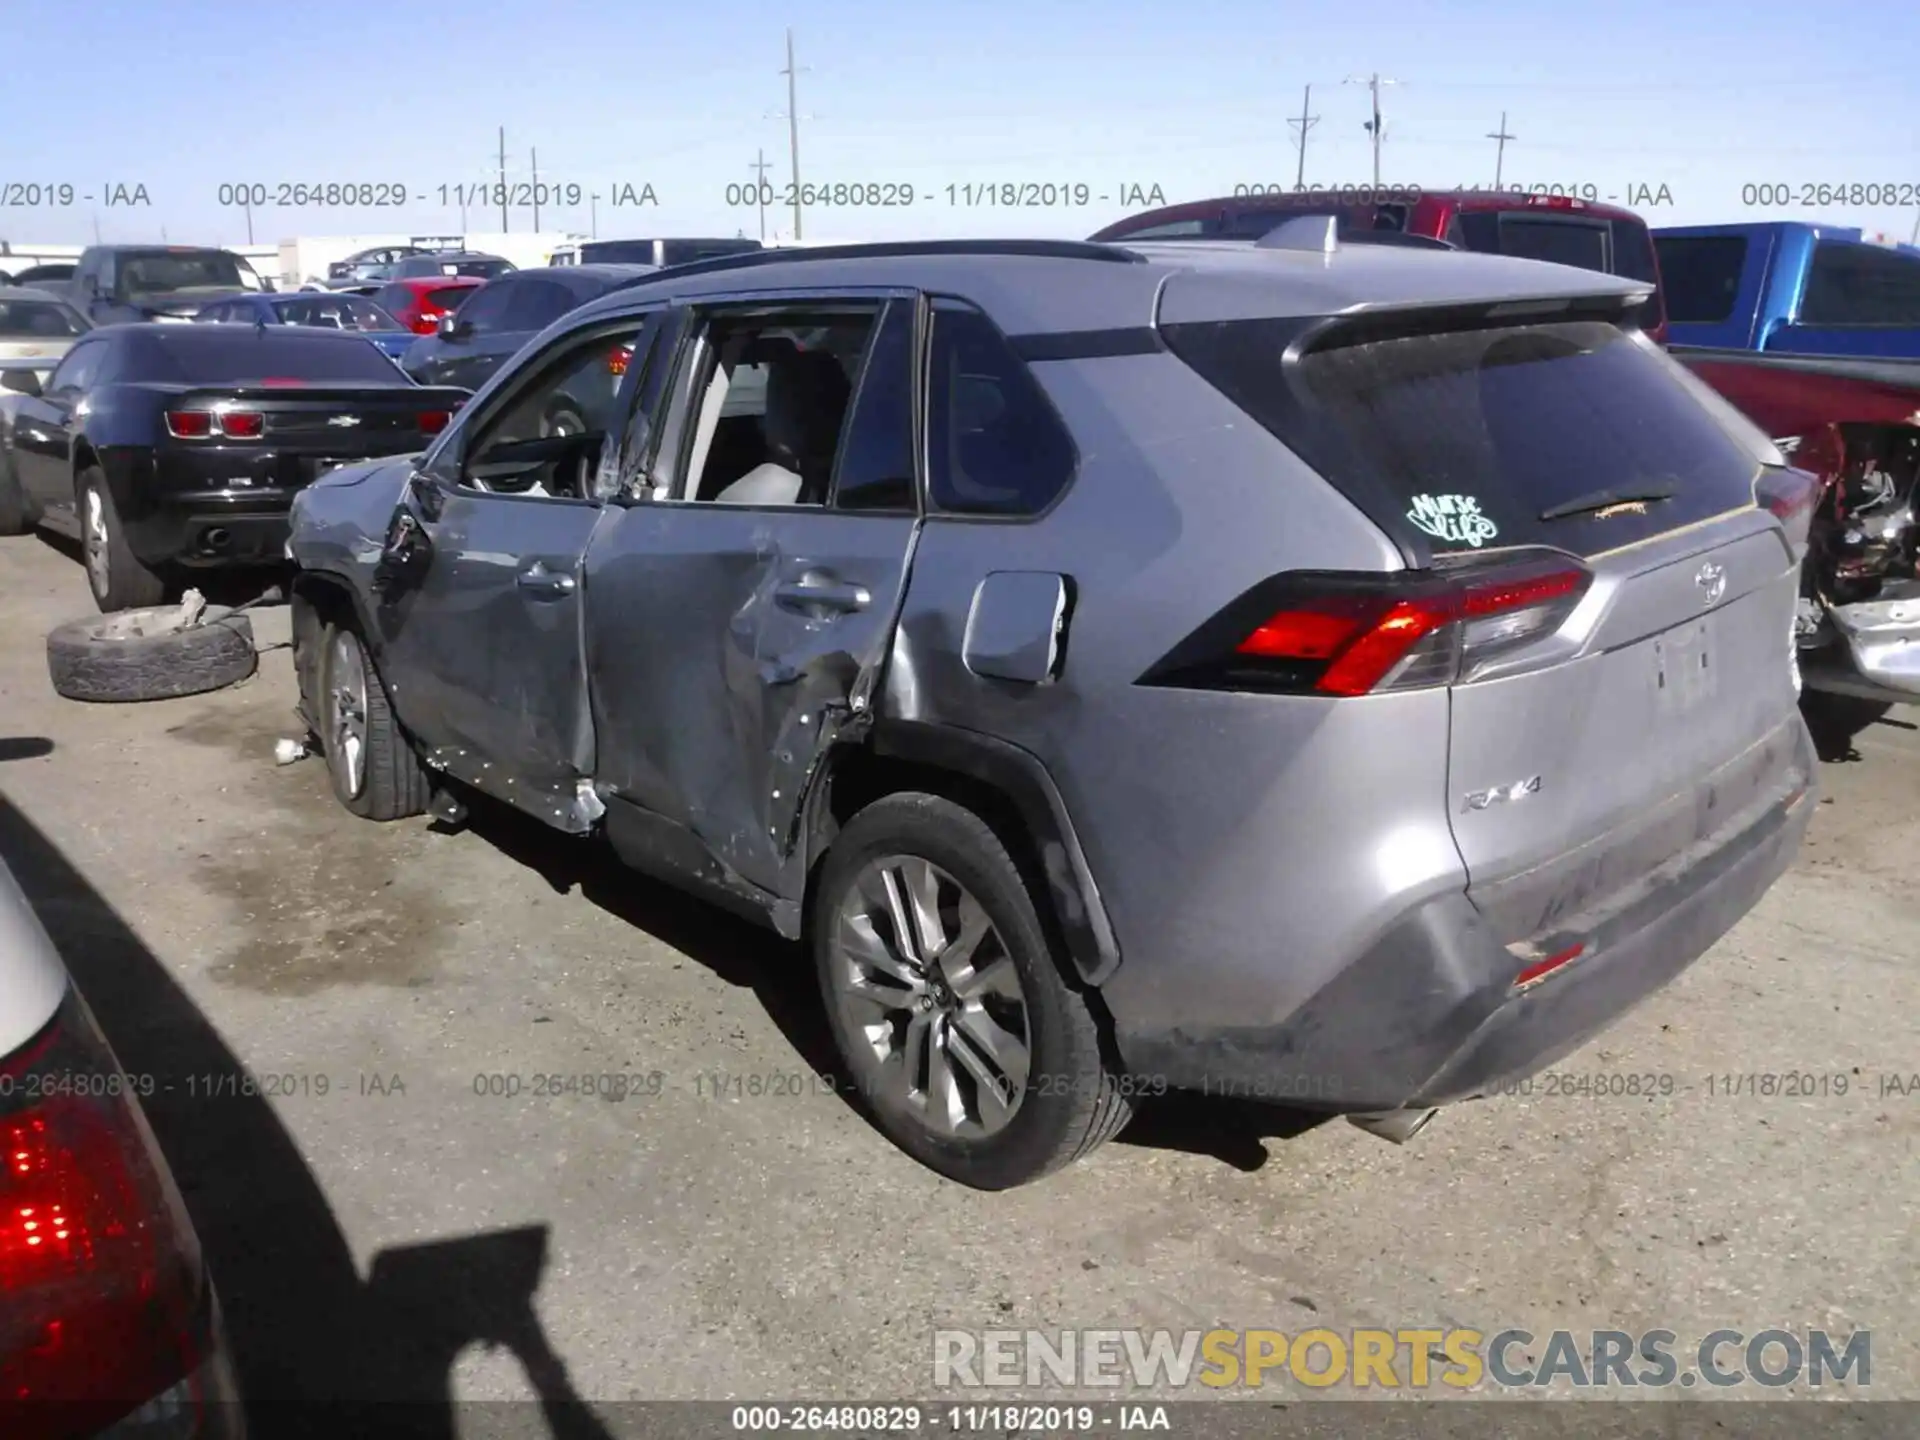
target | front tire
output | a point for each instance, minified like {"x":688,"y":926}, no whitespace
{"x":954,"y":1019}
{"x":116,"y":576}
{"x":370,"y":760}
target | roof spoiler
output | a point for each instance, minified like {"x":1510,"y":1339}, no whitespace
{"x":1322,"y":234}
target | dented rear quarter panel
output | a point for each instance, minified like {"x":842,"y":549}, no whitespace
{"x":1246,"y":848}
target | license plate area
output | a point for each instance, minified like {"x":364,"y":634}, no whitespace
{"x":1684,"y":674}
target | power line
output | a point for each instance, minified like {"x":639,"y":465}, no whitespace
{"x":533,"y":158}
{"x":1375,"y":127}
{"x":1305,"y":123}
{"x":1500,"y":154}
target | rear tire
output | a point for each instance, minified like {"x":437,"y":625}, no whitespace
{"x":995,"y":1011}
{"x":370,"y":760}
{"x":116,"y":576}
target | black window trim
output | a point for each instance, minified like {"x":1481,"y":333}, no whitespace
{"x":674,"y":434}
{"x":936,"y":301}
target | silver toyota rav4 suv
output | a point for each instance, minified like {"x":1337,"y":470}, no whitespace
{"x":1350,"y":676}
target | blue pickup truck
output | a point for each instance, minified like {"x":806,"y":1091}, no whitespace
{"x":1789,"y":289}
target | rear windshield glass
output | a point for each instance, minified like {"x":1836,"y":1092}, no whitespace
{"x":617,"y":252}
{"x":447,"y":299}
{"x":170,"y":272}
{"x":337,"y":312}
{"x":1471,"y":438}
{"x":685,"y":252}
{"x":220,"y":354}
{"x":37,"y":319}
{"x":1528,"y":237}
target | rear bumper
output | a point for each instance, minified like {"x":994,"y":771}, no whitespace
{"x":1430,"y":1015}
{"x":212,"y":529}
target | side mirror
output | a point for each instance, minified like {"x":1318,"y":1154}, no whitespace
{"x":452,"y":327}
{"x":21,"y":382}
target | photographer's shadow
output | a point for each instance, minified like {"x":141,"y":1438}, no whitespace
{"x":319,"y":1350}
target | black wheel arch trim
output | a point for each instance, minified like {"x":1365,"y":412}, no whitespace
{"x":1022,"y":778}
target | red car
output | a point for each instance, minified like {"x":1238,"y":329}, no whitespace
{"x":419,"y":301}
{"x":1559,"y":228}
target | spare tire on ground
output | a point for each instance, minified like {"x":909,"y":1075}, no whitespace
{"x":151,"y":654}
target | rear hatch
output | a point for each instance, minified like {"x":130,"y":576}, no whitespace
{"x":1650,"y":710}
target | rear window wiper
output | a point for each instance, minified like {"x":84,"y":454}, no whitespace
{"x":1604,"y":499}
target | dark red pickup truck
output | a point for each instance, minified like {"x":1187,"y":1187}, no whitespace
{"x":1559,"y":228}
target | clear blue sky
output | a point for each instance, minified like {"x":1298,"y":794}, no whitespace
{"x":175,"y":96}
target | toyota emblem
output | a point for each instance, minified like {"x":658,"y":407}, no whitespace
{"x":1712,"y":580}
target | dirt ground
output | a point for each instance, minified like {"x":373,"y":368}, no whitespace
{"x":408,"y":1233}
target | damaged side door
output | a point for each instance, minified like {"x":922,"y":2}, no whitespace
{"x":480,"y":594}
{"x":732,"y":637}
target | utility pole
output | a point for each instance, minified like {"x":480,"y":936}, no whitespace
{"x":760,"y":168}
{"x":96,"y":227}
{"x":248,"y":202}
{"x":1374,"y":126}
{"x":1916,"y":231}
{"x":793,"y":129}
{"x":534,"y":157}
{"x":1500,"y":155}
{"x":593,"y":211}
{"x":1305,"y":123}
{"x":503,"y":181}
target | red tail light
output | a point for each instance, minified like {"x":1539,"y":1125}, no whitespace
{"x":618,"y":360}
{"x":216,"y":424}
{"x":427,"y":322}
{"x":106,"y":1306}
{"x":190,"y":424}
{"x":432,"y":422}
{"x":1787,"y":493}
{"x":1340,"y":634}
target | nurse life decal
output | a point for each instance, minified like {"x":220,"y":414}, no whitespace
{"x":1453,"y":518}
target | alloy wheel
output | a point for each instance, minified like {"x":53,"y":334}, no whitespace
{"x":98,"y":571}
{"x":347,"y":712}
{"x":931,"y":999}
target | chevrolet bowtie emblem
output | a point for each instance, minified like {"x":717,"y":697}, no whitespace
{"x":344,"y":420}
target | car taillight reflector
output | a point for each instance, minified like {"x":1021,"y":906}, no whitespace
{"x":427,"y":322}
{"x":104,"y":1299}
{"x":1787,"y":493}
{"x":618,"y":359}
{"x":212,"y":424}
{"x":432,"y":422}
{"x":1335,"y":634}
{"x":190,"y":424}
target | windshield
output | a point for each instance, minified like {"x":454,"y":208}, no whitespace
{"x":38,"y":319}
{"x":337,"y":312}
{"x":173,"y":272}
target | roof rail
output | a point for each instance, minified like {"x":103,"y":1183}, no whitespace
{"x":881,"y":249}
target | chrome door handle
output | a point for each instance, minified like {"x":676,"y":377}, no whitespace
{"x":543,"y":583}
{"x":811,"y":595}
